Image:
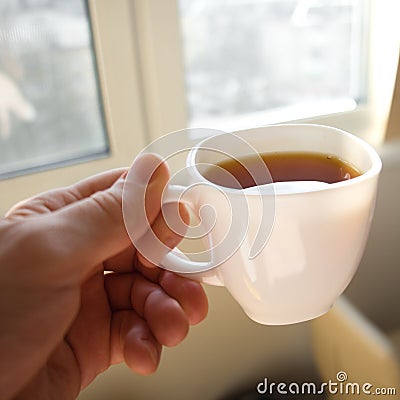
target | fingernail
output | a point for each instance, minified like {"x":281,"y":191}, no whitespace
{"x":153,"y":353}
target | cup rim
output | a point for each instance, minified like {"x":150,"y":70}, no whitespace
{"x":371,"y":172}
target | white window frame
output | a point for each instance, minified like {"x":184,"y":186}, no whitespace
{"x":118,"y":68}
{"x":163,"y":72}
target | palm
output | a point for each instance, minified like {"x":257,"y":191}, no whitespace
{"x":83,"y":318}
{"x":86,"y":345}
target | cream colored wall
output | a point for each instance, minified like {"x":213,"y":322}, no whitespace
{"x":375,"y":288}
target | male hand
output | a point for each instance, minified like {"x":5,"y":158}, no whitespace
{"x":76,"y":296}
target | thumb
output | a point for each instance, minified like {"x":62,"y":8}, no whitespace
{"x":93,"y":228}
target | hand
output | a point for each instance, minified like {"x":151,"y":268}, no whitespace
{"x":75,"y":296}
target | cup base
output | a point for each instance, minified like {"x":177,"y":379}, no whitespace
{"x":286,"y":320}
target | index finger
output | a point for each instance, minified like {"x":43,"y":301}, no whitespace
{"x":55,"y":199}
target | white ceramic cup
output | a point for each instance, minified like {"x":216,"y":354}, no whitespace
{"x":312,"y":238}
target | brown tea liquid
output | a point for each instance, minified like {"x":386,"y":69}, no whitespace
{"x":283,"y":167}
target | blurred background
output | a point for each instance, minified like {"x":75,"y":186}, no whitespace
{"x":85,"y":85}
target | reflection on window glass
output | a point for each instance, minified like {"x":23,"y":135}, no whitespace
{"x":50,"y":109}
{"x":251,"y":56}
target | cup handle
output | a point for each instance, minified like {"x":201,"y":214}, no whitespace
{"x":179,"y":262}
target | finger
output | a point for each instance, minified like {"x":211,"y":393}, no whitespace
{"x":153,"y":274}
{"x":88,"y":186}
{"x":119,"y":287}
{"x":121,"y":262}
{"x":93,"y":230}
{"x":133,"y":342}
{"x":190,"y":295}
{"x":166,"y":232}
{"x":164,"y":315}
{"x":55,"y":199}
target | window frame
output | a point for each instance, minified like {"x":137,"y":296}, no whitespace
{"x":121,"y":93}
{"x":163,"y":73}
{"x":393,"y":123}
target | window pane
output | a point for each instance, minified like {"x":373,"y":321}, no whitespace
{"x":50,"y":108}
{"x":246,"y":57}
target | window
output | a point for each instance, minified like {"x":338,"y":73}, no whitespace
{"x":240,"y":63}
{"x":50,"y":108}
{"x":262,"y":60}
{"x":111,"y":122}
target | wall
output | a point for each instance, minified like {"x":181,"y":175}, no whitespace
{"x":375,"y":288}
